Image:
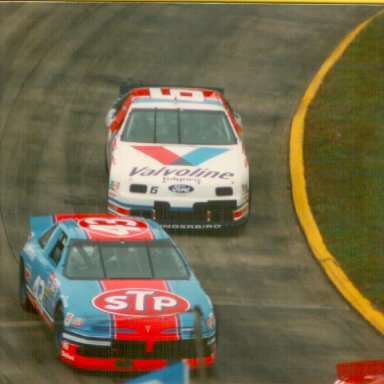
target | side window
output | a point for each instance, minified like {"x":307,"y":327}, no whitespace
{"x":57,"y":250}
{"x":46,"y":236}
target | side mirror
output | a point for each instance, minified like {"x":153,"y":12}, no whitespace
{"x":238,"y":118}
{"x":109,"y":117}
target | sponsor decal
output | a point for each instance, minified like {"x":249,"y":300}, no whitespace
{"x":180,"y":188}
{"x":211,"y":321}
{"x":67,"y":356}
{"x":114,"y":185}
{"x":140,"y":302}
{"x":180,"y":172}
{"x":119,"y":228}
{"x":68,"y":319}
{"x":114,"y":144}
{"x":192,"y":158}
{"x":65,"y":299}
{"x":30,"y":251}
{"x":191,"y":226}
{"x":52,"y":287}
{"x":78,"y":322}
{"x":28,"y":273}
{"x":65,"y":345}
{"x":53,"y":278}
{"x":38,"y":289}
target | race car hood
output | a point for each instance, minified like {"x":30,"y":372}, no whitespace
{"x":136,"y":309}
{"x":177,"y":163}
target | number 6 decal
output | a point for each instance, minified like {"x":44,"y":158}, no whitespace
{"x":154,"y":190}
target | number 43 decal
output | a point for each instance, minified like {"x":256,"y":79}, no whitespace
{"x":38,"y":290}
{"x":121,"y":228}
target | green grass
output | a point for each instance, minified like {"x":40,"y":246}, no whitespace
{"x":344,"y":161}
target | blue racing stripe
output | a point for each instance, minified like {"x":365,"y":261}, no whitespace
{"x":200,"y":155}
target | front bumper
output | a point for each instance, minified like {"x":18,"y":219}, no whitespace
{"x":134,"y":356}
{"x":214,"y":214}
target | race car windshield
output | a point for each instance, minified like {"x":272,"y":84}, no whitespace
{"x":124,"y":260}
{"x":178,"y":126}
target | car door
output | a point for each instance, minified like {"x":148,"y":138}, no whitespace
{"x":45,"y":285}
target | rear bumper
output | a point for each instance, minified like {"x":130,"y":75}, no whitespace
{"x":203,"y":215}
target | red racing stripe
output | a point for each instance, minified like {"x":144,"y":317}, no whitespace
{"x":144,"y":296}
{"x":161,"y":154}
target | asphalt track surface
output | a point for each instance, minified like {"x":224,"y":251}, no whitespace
{"x":281,"y":320}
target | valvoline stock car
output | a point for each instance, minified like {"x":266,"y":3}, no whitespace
{"x":118,"y":293}
{"x":177,"y":155}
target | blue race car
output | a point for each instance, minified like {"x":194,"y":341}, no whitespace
{"x":118,"y":293}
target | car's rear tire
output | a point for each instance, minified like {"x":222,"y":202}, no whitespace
{"x":210,"y":371}
{"x":24,"y":300}
{"x":58,"y":328}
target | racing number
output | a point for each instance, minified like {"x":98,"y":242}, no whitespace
{"x":180,"y":94}
{"x":154,"y":190}
{"x":38,"y":290}
{"x":114,"y":227}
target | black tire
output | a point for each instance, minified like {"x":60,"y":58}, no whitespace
{"x":58,"y":328}
{"x":249,"y":203}
{"x":250,"y":194}
{"x":210,"y":372}
{"x":24,"y":300}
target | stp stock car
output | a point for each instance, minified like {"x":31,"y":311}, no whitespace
{"x":177,"y":155}
{"x":118,"y":294}
{"x":360,"y":372}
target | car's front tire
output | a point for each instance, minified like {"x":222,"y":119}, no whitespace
{"x":24,"y":300}
{"x":58,"y":328}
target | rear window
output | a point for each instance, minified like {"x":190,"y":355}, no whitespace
{"x":43,"y":240}
{"x":171,"y":126}
{"x":125,"y":260}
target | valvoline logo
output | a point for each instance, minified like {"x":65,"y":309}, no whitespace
{"x":140,"y":302}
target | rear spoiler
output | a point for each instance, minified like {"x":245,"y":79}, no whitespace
{"x":39,"y":224}
{"x":360,"y":369}
{"x":126,"y":87}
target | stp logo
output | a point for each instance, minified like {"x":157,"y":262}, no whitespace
{"x":140,"y":302}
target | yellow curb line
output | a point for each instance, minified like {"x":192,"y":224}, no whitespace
{"x":300,"y":198}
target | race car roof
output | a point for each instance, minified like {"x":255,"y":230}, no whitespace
{"x":161,"y":95}
{"x":100,"y":227}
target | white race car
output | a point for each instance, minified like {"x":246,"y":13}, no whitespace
{"x":176,"y":155}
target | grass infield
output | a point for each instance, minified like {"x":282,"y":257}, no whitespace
{"x":344,"y":161}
